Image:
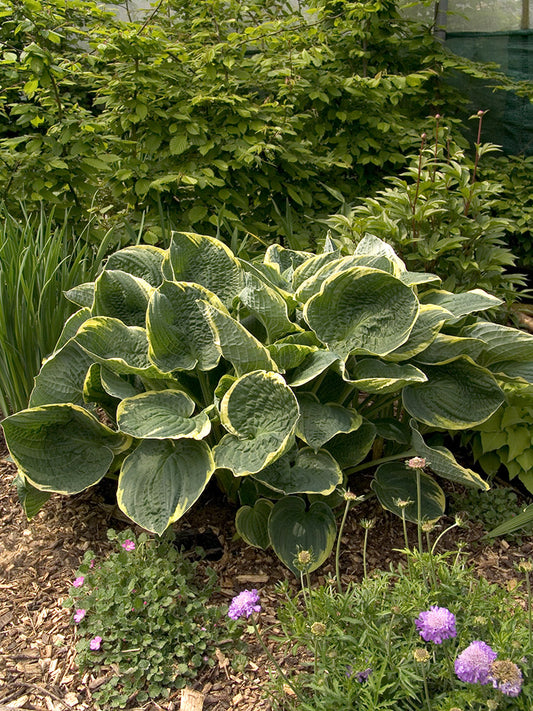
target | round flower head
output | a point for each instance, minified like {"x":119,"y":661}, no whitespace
{"x":421,"y":655}
{"x":95,"y":643}
{"x":79,"y":581}
{"x":474,"y":663}
{"x":436,"y":624}
{"x":244,"y":604}
{"x":128,"y":545}
{"x":506,"y":676}
{"x":416,"y":463}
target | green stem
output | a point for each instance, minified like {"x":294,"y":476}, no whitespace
{"x":432,"y":570}
{"x":381,"y":460}
{"x":364,"y":553}
{"x":528,"y":586}
{"x":338,"y":548}
{"x":206,"y":390}
{"x":273,"y":661}
{"x":419,"y":510}
{"x":426,"y":689}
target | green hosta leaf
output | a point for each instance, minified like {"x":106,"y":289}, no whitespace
{"x":502,"y":343}
{"x":270,"y":276}
{"x":315,"y":364}
{"x":456,"y":396}
{"x":123,"y":349}
{"x":373,"y":246}
{"x":81,"y":295}
{"x":260,"y":412}
{"x":285,"y":261}
{"x":142,"y":261}
{"x":362,"y":310}
{"x":31,"y":499}
{"x":312,"y":266}
{"x":123,"y":296}
{"x":61,"y":448}
{"x":445,"y":349}
{"x":289,"y":355}
{"x":376,"y":376}
{"x":350,"y":449}
{"x":427,"y":326}
{"x":237,"y":344}
{"x":391,"y":428}
{"x":395,"y":482}
{"x":206,"y":261}
{"x":416,"y":278}
{"x":94,"y":392}
{"x":162,"y":415}
{"x":252,"y":523}
{"x":118,"y":386}
{"x":71,"y":326}
{"x":61,"y":377}
{"x":318,"y":423}
{"x":268,"y":306}
{"x":293,"y":529}
{"x":441,"y":461}
{"x":313,"y":283}
{"x":304,"y":471}
{"x":461,"y":304}
{"x":514,"y":369}
{"x":179,"y":334}
{"x":161,"y":480}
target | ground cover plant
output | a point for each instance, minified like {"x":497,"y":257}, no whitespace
{"x":277,"y":378}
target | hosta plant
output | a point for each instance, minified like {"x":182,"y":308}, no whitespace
{"x":276,"y":377}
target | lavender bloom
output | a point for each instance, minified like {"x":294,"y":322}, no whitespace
{"x":436,"y":624}
{"x":363,"y":675}
{"x":79,"y":615}
{"x":474,"y":663}
{"x":506,"y":676}
{"x":95,"y":643}
{"x":244,"y":604}
{"x":128,"y":545}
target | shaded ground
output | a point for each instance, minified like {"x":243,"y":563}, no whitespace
{"x":38,"y":559}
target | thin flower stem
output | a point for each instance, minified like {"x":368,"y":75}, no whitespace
{"x":273,"y":661}
{"x":426,"y":689}
{"x":338,"y":548}
{"x":528,"y":586}
{"x":365,"y":542}
{"x":419,"y":510}
{"x":381,"y":460}
{"x":441,"y":535}
{"x":433,"y":572}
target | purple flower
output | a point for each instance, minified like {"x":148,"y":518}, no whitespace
{"x":79,"y":581}
{"x":244,"y":604}
{"x":128,"y":545}
{"x":360,"y":676}
{"x":506,"y":676}
{"x":95,"y":643}
{"x":474,"y":663}
{"x":79,"y":615}
{"x":436,"y":624}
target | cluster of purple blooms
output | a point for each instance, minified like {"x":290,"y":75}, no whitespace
{"x":244,"y":604}
{"x":478,"y":663}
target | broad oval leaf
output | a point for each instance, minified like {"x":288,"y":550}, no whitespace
{"x":445,"y":348}
{"x":252,"y":523}
{"x":61,"y":377}
{"x":314,"y":365}
{"x":82,"y":294}
{"x":161,"y":415}
{"x":426,"y":328}
{"x":142,"y":260}
{"x":502,"y":343}
{"x":461,"y":304}
{"x":31,"y":499}
{"x":161,"y":480}
{"x":260,"y":411}
{"x":61,"y":448}
{"x":395,"y":482}
{"x":376,"y":376}
{"x":370,"y":245}
{"x":320,"y":422}
{"x":350,"y":449}
{"x":293,"y":529}
{"x":312,"y":266}
{"x":123,"y":296}
{"x":456,"y":396}
{"x":289,"y":355}
{"x":71,"y":326}
{"x":304,"y":471}
{"x":362,"y":310}
{"x":268,"y":306}
{"x":119,"y":386}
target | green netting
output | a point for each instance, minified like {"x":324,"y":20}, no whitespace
{"x":509,"y":122}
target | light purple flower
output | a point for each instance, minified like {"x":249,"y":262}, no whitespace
{"x":474,"y":662}
{"x":506,"y":676}
{"x":95,"y":643}
{"x":436,"y":624}
{"x":79,"y":581}
{"x":79,"y":615}
{"x":244,"y":604}
{"x":128,"y":545}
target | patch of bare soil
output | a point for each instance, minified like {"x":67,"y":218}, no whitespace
{"x":38,"y":560}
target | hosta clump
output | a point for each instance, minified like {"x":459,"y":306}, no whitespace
{"x":277,"y":377}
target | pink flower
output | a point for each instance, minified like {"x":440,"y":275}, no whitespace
{"x":95,"y":643}
{"x":79,"y":581}
{"x":91,"y":564}
{"x":79,"y":615}
{"x":128,"y":545}
{"x":416,"y":463}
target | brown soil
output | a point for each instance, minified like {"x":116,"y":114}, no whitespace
{"x":38,"y":560}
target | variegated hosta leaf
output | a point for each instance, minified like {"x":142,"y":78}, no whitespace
{"x":260,"y":412}
{"x":394,"y":483}
{"x":313,"y":283}
{"x":160,"y":481}
{"x":362,"y":310}
{"x":117,"y":385}
{"x":311,"y":266}
{"x":81,"y":295}
{"x":72,"y":325}
{"x":268,"y":306}
{"x":426,"y":328}
{"x":123,"y":296}
{"x":162,"y":415}
{"x":286,"y":261}
{"x":123,"y":349}
{"x":416,"y":278}
{"x":179,"y":334}
{"x":289,"y":355}
{"x":61,"y":377}
{"x":461,"y":304}
{"x":206,"y":261}
{"x":441,"y":461}
{"x":143,"y":261}
{"x":513,"y":370}
{"x":315,"y":364}
{"x":270,"y":276}
{"x":31,"y":499}
{"x":350,"y":449}
{"x":370,"y":245}
{"x":376,"y":376}
{"x":237,"y":344}
{"x":61,"y":448}
{"x":319,"y":422}
{"x":94,"y":392}
{"x":303,"y":471}
{"x":456,"y":396}
{"x":293,"y":529}
{"x":444,"y":349}
{"x":502,"y":343}
{"x":252,"y":523}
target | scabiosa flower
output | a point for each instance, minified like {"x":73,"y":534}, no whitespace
{"x":95,"y":643}
{"x":421,"y":655}
{"x":128,"y":545}
{"x":436,"y":624}
{"x":244,"y":604}
{"x":506,"y":676}
{"x":79,"y":615}
{"x":416,"y":463}
{"x":363,"y":675}
{"x":79,"y":581}
{"x":474,"y":662}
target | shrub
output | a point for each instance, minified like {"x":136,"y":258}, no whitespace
{"x":278,"y":377}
